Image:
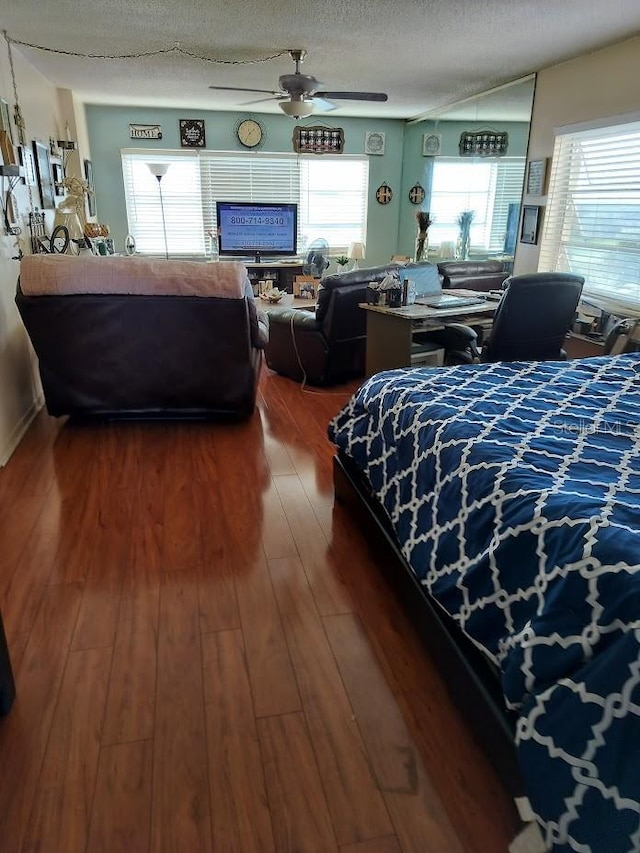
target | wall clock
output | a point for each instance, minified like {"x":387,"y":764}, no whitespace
{"x":374,"y":143}
{"x":384,"y":194}
{"x":192,"y":133}
{"x":250,"y":133}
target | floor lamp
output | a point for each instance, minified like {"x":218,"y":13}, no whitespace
{"x":160,"y":170}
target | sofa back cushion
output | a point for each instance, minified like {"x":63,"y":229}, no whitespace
{"x":48,"y":275}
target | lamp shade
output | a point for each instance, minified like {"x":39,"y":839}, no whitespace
{"x":296,"y":108}
{"x":158,"y":169}
{"x":356,"y":251}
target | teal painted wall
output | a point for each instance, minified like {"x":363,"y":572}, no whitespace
{"x":391,"y":228}
{"x":418,"y":169}
{"x":108,"y":128}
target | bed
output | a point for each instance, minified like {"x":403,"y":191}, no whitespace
{"x":510,"y":494}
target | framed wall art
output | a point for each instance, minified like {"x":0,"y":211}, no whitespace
{"x":43,"y":169}
{"x":530,"y":227}
{"x":536,"y":177}
{"x":316,"y":139}
{"x":192,"y":133}
{"x":374,"y":142}
{"x":91,"y":195}
{"x":28,"y":163}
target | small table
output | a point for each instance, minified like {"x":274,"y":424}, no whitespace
{"x":390,"y":330}
{"x":288,"y":301}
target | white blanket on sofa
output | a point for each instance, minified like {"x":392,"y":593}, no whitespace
{"x":49,"y":275}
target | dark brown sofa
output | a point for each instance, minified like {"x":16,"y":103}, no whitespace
{"x":130,"y":337}
{"x":472,"y":275}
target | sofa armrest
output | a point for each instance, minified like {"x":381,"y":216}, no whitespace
{"x":303,"y":321}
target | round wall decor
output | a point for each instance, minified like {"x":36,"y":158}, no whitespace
{"x":249,"y":133}
{"x":384,"y":194}
{"x":416,"y":194}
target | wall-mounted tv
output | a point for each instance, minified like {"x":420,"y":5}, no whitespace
{"x":257,"y":229}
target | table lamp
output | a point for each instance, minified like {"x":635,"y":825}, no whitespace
{"x":160,"y":170}
{"x":356,"y":253}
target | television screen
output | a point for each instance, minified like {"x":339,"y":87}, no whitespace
{"x":252,"y":228}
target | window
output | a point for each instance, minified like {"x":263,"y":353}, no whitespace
{"x":485,"y":187}
{"x":181,"y":203}
{"x":331,"y":193}
{"x":592,"y":224}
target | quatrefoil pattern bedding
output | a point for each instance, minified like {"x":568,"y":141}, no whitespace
{"x":514,"y":491}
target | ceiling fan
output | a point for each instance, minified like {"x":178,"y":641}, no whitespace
{"x":300,"y":93}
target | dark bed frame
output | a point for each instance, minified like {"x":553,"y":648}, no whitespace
{"x":471,"y":679}
{"x":7,"y":685}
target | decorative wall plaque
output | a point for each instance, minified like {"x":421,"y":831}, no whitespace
{"x":192,"y":133}
{"x":484,"y":143}
{"x":317,"y":139}
{"x":416,"y":194}
{"x":145,"y":131}
{"x":374,"y":143}
{"x":384,"y":194}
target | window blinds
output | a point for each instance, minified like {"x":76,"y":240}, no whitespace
{"x":485,"y":187}
{"x":592,"y":223}
{"x":181,"y":201}
{"x":331,"y":193}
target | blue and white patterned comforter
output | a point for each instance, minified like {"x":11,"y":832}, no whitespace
{"x":514,"y":490}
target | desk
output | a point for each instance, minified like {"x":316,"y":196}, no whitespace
{"x":390,"y":330}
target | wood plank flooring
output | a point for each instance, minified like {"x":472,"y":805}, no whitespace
{"x":207,"y":657}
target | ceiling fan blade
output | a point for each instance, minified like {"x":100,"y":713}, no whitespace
{"x":323,"y":104}
{"x":354,"y":96}
{"x":262,"y":100}
{"x":237,"y":89}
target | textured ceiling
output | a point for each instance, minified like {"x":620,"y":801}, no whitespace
{"x":425,"y":55}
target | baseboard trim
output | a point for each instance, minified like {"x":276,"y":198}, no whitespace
{"x":18,"y":432}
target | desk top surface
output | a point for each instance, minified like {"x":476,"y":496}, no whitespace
{"x":423,"y":312}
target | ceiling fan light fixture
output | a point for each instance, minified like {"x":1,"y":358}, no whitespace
{"x":296,"y":109}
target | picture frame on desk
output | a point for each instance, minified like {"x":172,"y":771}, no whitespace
{"x":305,"y":287}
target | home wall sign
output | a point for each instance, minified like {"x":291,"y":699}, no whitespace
{"x":317,"y":139}
{"x":384,"y":194}
{"x":483,"y":143}
{"x":416,"y":194}
{"x":145,"y":131}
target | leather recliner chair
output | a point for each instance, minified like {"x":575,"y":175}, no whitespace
{"x":327,"y":346}
{"x":530,"y":323}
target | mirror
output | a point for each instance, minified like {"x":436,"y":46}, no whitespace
{"x":471,"y":158}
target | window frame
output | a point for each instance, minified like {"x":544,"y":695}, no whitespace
{"x":269,"y":183}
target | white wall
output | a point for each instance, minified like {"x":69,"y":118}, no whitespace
{"x":604,"y":83}
{"x":19,"y":386}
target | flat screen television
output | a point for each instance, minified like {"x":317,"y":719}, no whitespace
{"x":257,"y":229}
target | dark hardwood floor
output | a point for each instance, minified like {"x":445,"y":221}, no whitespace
{"x":207,"y":657}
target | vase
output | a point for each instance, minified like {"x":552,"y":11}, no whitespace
{"x":422,"y":246}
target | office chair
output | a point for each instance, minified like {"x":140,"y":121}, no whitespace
{"x":530,"y":323}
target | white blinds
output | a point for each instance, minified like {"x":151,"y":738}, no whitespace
{"x":246,"y":177}
{"x":485,"y":187}
{"x":181,"y":202}
{"x":331,"y":193}
{"x":592,"y":223}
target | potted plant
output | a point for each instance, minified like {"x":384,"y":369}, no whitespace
{"x":342,"y":261}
